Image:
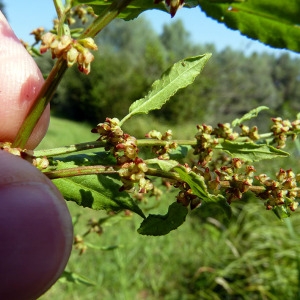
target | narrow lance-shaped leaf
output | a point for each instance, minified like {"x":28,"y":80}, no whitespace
{"x":251,"y":152}
{"x":250,"y":115}
{"x":179,"y":76}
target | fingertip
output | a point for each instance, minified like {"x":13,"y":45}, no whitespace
{"x":21,"y":80}
{"x":16,"y":171}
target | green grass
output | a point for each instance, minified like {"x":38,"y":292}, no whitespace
{"x":63,"y":132}
{"x":255,"y":256}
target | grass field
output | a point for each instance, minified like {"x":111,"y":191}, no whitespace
{"x":255,"y":256}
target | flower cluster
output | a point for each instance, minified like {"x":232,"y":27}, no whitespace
{"x":125,"y":150}
{"x":39,"y":162}
{"x":225,"y":131}
{"x":79,"y":244}
{"x":282,"y":128}
{"x":162,"y":151}
{"x":235,"y":178}
{"x":282,"y":191}
{"x":38,"y":33}
{"x":186,"y":196}
{"x":171,"y":5}
{"x":81,"y":12}
{"x":252,"y":133}
{"x":206,"y":141}
{"x":73,"y":51}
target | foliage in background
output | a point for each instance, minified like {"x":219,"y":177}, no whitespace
{"x":232,"y":83}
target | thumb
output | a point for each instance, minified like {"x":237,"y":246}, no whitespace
{"x":20,"y":82}
{"x":20,"y":174}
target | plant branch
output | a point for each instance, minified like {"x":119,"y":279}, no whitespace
{"x":79,"y":171}
{"x":69,"y":149}
{"x":42,"y":100}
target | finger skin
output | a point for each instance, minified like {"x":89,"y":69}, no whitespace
{"x":20,"y":82}
{"x":36,"y":231}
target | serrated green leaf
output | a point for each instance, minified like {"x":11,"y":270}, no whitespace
{"x":251,"y":152}
{"x":96,"y":192}
{"x":179,"y":76}
{"x":195,"y":182}
{"x":250,"y":115}
{"x":75,"y":278}
{"x":275,"y":23}
{"x":161,"y":225}
{"x":214,"y":206}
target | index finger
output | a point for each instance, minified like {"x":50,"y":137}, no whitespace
{"x":20,"y":82}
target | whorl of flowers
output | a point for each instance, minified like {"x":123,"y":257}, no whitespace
{"x":73,"y":51}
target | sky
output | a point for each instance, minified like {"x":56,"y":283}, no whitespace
{"x":24,"y":16}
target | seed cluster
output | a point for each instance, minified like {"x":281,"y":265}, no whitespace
{"x":125,"y":150}
{"x":82,"y":12}
{"x":73,"y":51}
{"x":237,"y":178}
{"x":208,"y":138}
{"x":282,"y":129}
{"x":282,"y":191}
{"x":162,"y":152}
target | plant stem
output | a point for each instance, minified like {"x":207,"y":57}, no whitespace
{"x":140,"y":142}
{"x":59,"y":7}
{"x":69,"y":149}
{"x":100,"y":144}
{"x":41,"y":102}
{"x":78,"y":171}
{"x":106,"y":170}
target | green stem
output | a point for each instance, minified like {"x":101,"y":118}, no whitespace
{"x":98,"y":144}
{"x":140,"y":142}
{"x":59,"y":7}
{"x":79,"y":171}
{"x":41,"y":102}
{"x":69,"y":149}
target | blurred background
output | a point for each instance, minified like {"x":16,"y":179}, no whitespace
{"x":254,"y":256}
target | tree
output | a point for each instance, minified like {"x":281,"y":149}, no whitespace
{"x":286,"y":77}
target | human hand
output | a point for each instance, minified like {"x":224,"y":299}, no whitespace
{"x":35,"y":225}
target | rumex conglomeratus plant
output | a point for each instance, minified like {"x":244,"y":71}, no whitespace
{"x":119,"y":175}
